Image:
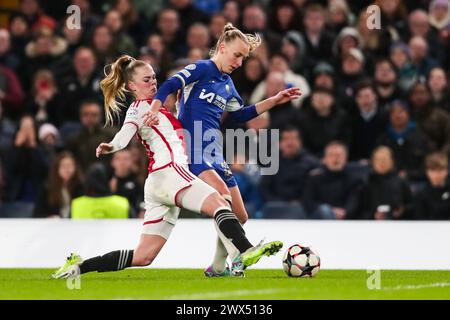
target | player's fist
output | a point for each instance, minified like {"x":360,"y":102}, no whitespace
{"x":150,"y":118}
{"x":103,"y":148}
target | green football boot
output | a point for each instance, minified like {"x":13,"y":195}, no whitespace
{"x":70,"y":269}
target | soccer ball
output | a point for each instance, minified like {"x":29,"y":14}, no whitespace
{"x":301,"y":261}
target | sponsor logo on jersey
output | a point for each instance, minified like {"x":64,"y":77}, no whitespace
{"x":191,"y":67}
{"x":213,"y":98}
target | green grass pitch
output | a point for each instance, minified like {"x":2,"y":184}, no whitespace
{"x":187,"y":284}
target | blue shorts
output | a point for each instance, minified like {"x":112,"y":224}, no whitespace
{"x":222,"y":170}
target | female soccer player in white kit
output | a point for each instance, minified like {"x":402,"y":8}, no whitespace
{"x":169,"y":186}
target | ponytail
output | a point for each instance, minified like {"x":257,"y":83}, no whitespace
{"x":115,"y":84}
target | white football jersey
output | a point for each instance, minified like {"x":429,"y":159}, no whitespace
{"x":164,"y":142}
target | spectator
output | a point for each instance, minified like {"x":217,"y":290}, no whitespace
{"x":134,"y":22}
{"x":168,"y":26}
{"x":407,"y":74}
{"x":439,"y":89}
{"x":102,"y":42}
{"x":216,"y":25}
{"x":254,"y":20}
{"x":198,"y":37}
{"x":419,"y":26}
{"x":386,"y":86}
{"x":8,"y":58}
{"x":351,"y":72}
{"x":188,"y":14}
{"x":92,"y":133}
{"x":20,"y":32}
{"x":407,"y":142}
{"x":45,"y":102}
{"x":293,"y":48}
{"x":323,"y":122}
{"x":25,"y":170}
{"x":124,"y":181}
{"x":162,"y":57}
{"x":279,"y":63}
{"x":318,"y":40}
{"x":123,"y":43}
{"x":231,"y":11}
{"x":393,"y":16}
{"x":7,"y":133}
{"x":346,"y":39}
{"x":328,"y":192}
{"x":433,"y":202}
{"x":434,"y":122}
{"x":368,"y":123}
{"x":274,"y":83}
{"x":64,"y":184}
{"x":11,"y":94}
{"x":49,"y":143}
{"x":324,"y":76}
{"x":98,"y":201}
{"x":248,"y":77}
{"x":82,"y":84}
{"x":339,"y":16}
{"x":385,"y":195}
{"x":439,"y":14}
{"x":283,"y":192}
{"x":420,"y":59}
{"x":46,"y":51}
{"x":284,"y":18}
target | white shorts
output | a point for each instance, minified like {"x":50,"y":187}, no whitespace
{"x":160,"y":194}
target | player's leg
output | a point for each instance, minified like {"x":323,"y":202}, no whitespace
{"x":146,"y":251}
{"x":201,"y":197}
{"x":231,"y":193}
{"x":238,"y":204}
{"x":219,"y":263}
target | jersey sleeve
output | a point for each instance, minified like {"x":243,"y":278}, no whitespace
{"x":189,"y":74}
{"x":133,"y":116}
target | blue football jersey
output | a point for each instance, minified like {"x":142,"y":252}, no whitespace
{"x":206,"y":94}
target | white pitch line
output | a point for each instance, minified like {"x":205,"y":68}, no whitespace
{"x":419,"y":286}
{"x":217,"y":295}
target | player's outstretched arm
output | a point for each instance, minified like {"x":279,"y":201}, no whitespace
{"x":249,"y":112}
{"x":120,"y":141}
{"x":280,"y":98}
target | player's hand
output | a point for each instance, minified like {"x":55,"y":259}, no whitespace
{"x":103,"y":148}
{"x":287,"y":95}
{"x":150,"y":118}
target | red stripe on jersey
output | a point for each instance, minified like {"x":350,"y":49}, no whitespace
{"x":184,"y":176}
{"x":188,"y":173}
{"x":153,"y":221}
{"x":132,"y":122}
{"x":150,"y":154}
{"x":164,"y":140}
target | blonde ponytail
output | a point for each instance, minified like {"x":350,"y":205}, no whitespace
{"x":115,"y":84}
{"x":230,"y":32}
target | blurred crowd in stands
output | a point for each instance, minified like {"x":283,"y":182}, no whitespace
{"x":369,"y":138}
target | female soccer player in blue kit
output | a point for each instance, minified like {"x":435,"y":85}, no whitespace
{"x":208,"y":91}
